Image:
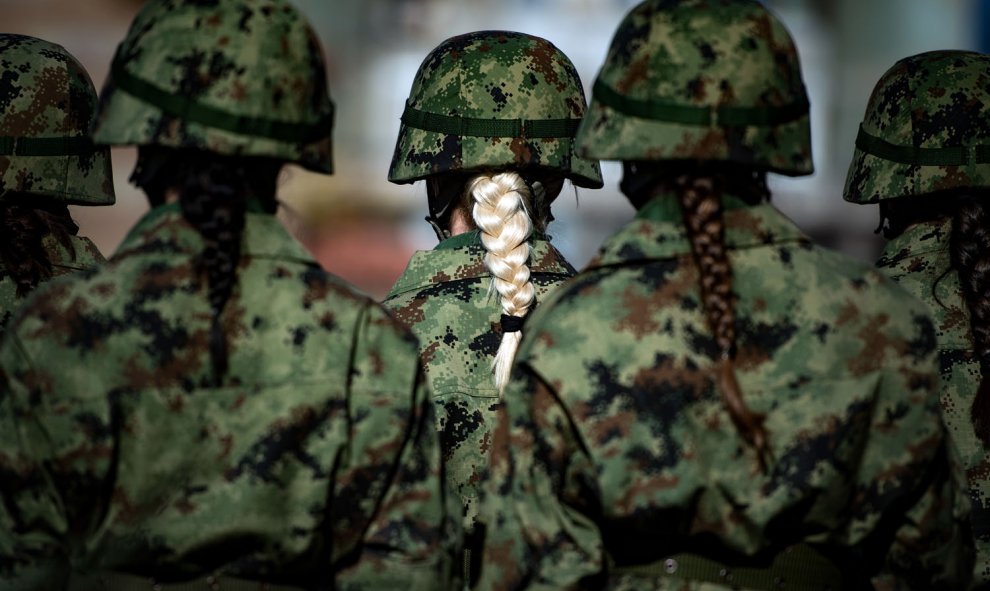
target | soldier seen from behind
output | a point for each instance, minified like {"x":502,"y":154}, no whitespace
{"x":210,"y":408}
{"x":47,"y":161}
{"x":489,"y":125}
{"x":923,"y":154}
{"x":716,"y":402}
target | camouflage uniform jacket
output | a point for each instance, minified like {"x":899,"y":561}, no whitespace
{"x":919,"y":261}
{"x":83,"y":255}
{"x":315,"y":463}
{"x":443,"y":297}
{"x":615,"y":445}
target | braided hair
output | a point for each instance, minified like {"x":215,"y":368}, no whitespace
{"x":502,"y":214}
{"x":969,"y":255}
{"x":969,"y":248}
{"x":25,"y":223}
{"x":699,"y":188}
{"x":213,"y":193}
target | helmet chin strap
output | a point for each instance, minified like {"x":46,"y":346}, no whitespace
{"x":442,"y":234}
{"x":442,"y":198}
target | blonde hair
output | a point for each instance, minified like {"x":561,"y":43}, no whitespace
{"x":501,"y":212}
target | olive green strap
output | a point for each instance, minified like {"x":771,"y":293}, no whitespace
{"x":477,"y":127}
{"x":948,"y":156}
{"x":114,"y":581}
{"x":797,"y":568}
{"x":714,"y":116}
{"x":46,"y":146}
{"x":194,"y":111}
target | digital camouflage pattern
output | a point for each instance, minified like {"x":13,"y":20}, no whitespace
{"x":926,"y":129}
{"x":83,"y":254}
{"x":238,"y":77}
{"x":444,"y":297}
{"x":47,"y":102}
{"x":715,"y":80}
{"x":493,"y":100}
{"x":615,"y":441}
{"x":919,"y":260}
{"x":314,"y":464}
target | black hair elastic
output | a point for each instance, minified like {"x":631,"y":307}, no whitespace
{"x":511,"y":323}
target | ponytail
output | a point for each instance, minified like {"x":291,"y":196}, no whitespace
{"x":213,"y":194}
{"x":23,"y":228}
{"x":702,"y":210}
{"x":971,"y":258}
{"x":212,"y":206}
{"x":501,"y":214}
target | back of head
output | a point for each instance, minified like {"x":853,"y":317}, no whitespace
{"x":712,"y":80}
{"x":923,"y":153}
{"x":490,"y":122}
{"x":694,"y":93}
{"x":926,"y":129}
{"x":218,"y":95}
{"x":47,"y":103}
{"x":237,"y":78}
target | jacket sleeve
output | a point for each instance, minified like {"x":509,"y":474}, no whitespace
{"x":912,"y":488}
{"x":391,"y":493}
{"x":33,"y":524}
{"x":540,"y":502}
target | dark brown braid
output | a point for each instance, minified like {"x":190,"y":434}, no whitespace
{"x":25,"y":221}
{"x":969,"y":248}
{"x":213,"y":193}
{"x":702,"y":209}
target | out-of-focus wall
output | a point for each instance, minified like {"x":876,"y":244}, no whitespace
{"x":365,"y":229}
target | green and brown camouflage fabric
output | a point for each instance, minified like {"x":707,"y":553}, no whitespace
{"x":83,"y":254}
{"x":926,"y":129}
{"x":444,"y":297}
{"x":615,"y":443}
{"x":47,"y":103}
{"x":919,"y":261}
{"x":237,"y":77}
{"x":314,"y":464}
{"x":493,"y":100}
{"x":715,"y":80}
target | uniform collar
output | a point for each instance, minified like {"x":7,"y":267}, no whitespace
{"x":657,"y":231}
{"x":924,"y":238}
{"x":462,"y":257}
{"x":264,"y":236}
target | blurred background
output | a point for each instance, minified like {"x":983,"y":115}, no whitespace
{"x":365,"y":229}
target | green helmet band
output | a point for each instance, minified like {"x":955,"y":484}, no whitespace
{"x":47,"y":146}
{"x":477,"y":127}
{"x":196,"y":112}
{"x":911,"y":155}
{"x":705,"y":116}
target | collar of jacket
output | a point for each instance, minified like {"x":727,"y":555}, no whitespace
{"x":919,"y":239}
{"x":657,"y":231}
{"x":164,"y":229}
{"x":462,"y":257}
{"x":919,"y":261}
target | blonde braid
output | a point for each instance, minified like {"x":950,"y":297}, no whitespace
{"x":501,"y":213}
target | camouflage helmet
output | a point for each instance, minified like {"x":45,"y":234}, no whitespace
{"x":47,"y":103}
{"x":493,"y":99}
{"x":701,"y":80}
{"x":926,"y":129}
{"x":235,"y":77}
